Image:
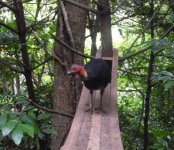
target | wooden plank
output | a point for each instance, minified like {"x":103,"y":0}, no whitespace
{"x":72,"y":137}
{"x":105,"y":142}
{"x":84,"y":133}
{"x":94,"y":136}
{"x":107,"y":100}
{"x":98,"y":54}
{"x":107,"y":58}
{"x":114,"y":124}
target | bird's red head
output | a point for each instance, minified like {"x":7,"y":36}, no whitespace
{"x":77,"y":69}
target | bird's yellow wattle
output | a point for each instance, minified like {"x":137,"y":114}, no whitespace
{"x":85,"y":74}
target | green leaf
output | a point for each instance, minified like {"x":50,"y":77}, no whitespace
{"x":3,"y":119}
{"x":29,"y":129}
{"x":160,"y":44}
{"x":30,"y":121}
{"x":43,"y":116}
{"x":32,"y":115}
{"x":41,"y":135}
{"x":8,"y":127}
{"x":49,"y":130}
{"x":166,"y":73}
{"x":27,"y":119}
{"x":27,"y":108}
{"x":168,"y":85}
{"x":17,"y":134}
{"x":163,"y":78}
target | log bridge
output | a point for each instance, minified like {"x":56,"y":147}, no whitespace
{"x":97,"y":130}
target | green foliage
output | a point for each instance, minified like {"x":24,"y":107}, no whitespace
{"x":17,"y":134}
{"x":25,"y":125}
{"x":22,"y":121}
{"x":160,"y":44}
{"x":159,"y":138}
{"x":133,"y":73}
{"x":167,"y":79}
{"x":16,"y":128}
{"x":18,"y":118}
{"x":8,"y":127}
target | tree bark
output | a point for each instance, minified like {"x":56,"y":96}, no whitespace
{"x":21,"y":26}
{"x":149,"y":85}
{"x":63,"y":98}
{"x":93,"y":27}
{"x":105,"y":27}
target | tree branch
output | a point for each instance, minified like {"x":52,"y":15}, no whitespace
{"x":8,"y":27}
{"x":131,"y":81}
{"x":120,"y":5}
{"x":4,"y":62}
{"x":120,"y":90}
{"x":65,"y":16}
{"x":59,"y":61}
{"x":7,"y":5}
{"x":45,"y":61}
{"x":147,"y":48}
{"x":134,"y":54}
{"x":96,"y":2}
{"x":134,"y":74}
{"x":121,"y":19}
{"x":148,"y":24}
{"x":51,"y":110}
{"x":71,"y":49}
{"x":81,"y":6}
{"x":168,"y":31}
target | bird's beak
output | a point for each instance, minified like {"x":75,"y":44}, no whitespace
{"x":69,"y":73}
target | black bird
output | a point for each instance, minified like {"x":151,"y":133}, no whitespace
{"x":96,"y":75}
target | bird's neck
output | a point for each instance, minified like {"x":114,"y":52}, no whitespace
{"x":84,"y":75}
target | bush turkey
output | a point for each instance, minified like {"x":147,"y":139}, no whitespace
{"x":96,"y":75}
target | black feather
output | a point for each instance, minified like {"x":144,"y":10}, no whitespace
{"x":99,"y":74}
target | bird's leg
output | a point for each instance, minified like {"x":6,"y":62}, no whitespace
{"x":92,"y":101}
{"x":101,"y":100}
{"x":91,"y":105}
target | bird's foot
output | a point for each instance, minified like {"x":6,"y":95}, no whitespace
{"x":90,"y":109}
{"x":101,"y":109}
{"x":98,"y":109}
{"x":105,"y":112}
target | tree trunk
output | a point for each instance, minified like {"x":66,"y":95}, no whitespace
{"x":63,"y":86}
{"x":21,"y":26}
{"x":149,"y":86}
{"x":105,"y":27}
{"x":93,"y":25}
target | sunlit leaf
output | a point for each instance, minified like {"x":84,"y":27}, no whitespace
{"x":28,"y":129}
{"x":8,"y":127}
{"x":17,"y":134}
{"x":166,"y":73}
{"x":30,"y":121}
